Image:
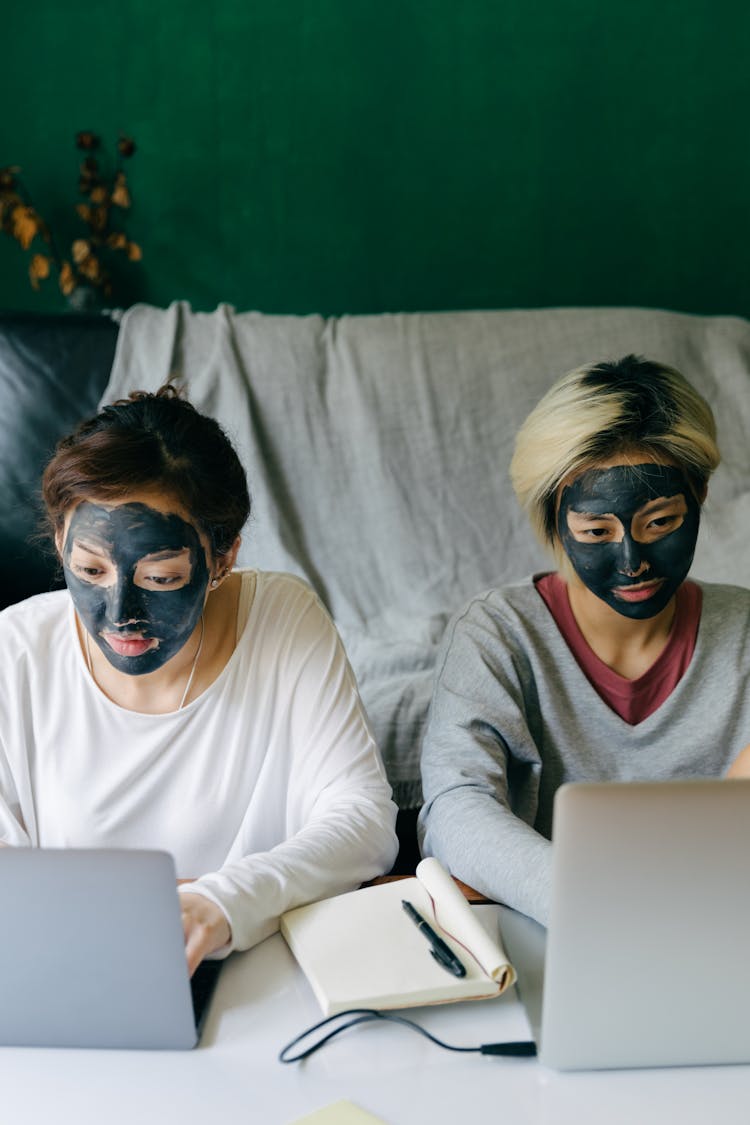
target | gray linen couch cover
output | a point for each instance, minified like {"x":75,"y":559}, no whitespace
{"x":377,"y":450}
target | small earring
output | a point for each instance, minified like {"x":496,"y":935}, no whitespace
{"x":214,"y":583}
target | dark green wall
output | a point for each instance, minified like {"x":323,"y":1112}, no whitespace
{"x":364,"y":155}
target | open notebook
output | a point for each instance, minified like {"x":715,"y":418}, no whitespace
{"x":361,"y":950}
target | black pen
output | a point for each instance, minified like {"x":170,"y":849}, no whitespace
{"x":442,"y":953}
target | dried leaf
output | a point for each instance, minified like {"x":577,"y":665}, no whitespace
{"x":99,"y":217}
{"x":26,"y":223}
{"x":134,"y":252}
{"x":38,"y":269}
{"x":80,"y":250}
{"x":89,"y":176}
{"x":99,"y":194}
{"x":39,"y":265}
{"x":121,"y":195}
{"x":117,"y":240}
{"x":84,"y":211}
{"x":67,"y":279}
{"x":8,"y":204}
{"x":87,"y":140}
{"x":125,"y":145}
{"x":91,"y":268}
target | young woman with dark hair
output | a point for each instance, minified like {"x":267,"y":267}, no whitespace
{"x":166,"y":700}
{"x":612,"y":668}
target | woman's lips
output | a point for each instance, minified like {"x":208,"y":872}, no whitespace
{"x":640,"y":592}
{"x":130,"y":645}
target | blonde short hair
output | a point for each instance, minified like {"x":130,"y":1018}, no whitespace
{"x":631,"y":406}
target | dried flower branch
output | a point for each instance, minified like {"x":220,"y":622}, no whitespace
{"x":105,"y":194}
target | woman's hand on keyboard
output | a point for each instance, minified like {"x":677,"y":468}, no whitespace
{"x":205,"y":927}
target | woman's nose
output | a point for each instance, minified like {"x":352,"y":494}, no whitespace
{"x":630,"y":561}
{"x":124,"y":604}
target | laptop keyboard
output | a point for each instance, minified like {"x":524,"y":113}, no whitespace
{"x":202,"y":985}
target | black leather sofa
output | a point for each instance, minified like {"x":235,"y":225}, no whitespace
{"x":53,"y":371}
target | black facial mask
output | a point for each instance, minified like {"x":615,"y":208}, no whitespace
{"x":124,"y":609}
{"x":607,"y":567}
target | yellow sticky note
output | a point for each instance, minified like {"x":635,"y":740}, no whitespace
{"x":339,"y":1113}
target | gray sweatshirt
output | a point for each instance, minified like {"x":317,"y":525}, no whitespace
{"x":513,"y":717}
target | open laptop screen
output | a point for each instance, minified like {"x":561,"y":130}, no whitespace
{"x":646,"y":958}
{"x":92,"y":951}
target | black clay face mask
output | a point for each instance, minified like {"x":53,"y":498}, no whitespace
{"x":138,"y":579}
{"x":630,"y":533}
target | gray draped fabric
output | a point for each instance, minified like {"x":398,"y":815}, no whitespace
{"x":377,"y":450}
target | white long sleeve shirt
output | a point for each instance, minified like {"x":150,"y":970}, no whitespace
{"x":267,"y":789}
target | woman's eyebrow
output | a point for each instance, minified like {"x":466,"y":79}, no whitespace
{"x":159,"y":556}
{"x":93,"y":549}
{"x":586,"y":515}
{"x":661,"y":502}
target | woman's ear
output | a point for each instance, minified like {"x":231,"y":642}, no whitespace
{"x":230,"y":558}
{"x":225,"y":563}
{"x":59,"y":542}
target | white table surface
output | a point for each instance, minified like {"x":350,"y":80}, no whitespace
{"x":263,"y":1000}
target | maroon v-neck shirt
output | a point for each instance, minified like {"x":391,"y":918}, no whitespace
{"x":632,"y":700}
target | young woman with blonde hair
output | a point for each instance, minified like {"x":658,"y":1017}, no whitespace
{"x":614,"y":667}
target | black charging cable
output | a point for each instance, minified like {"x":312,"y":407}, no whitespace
{"x":342,"y":1021}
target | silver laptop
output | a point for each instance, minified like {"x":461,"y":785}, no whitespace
{"x":92,"y":952}
{"x":647,"y":958}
